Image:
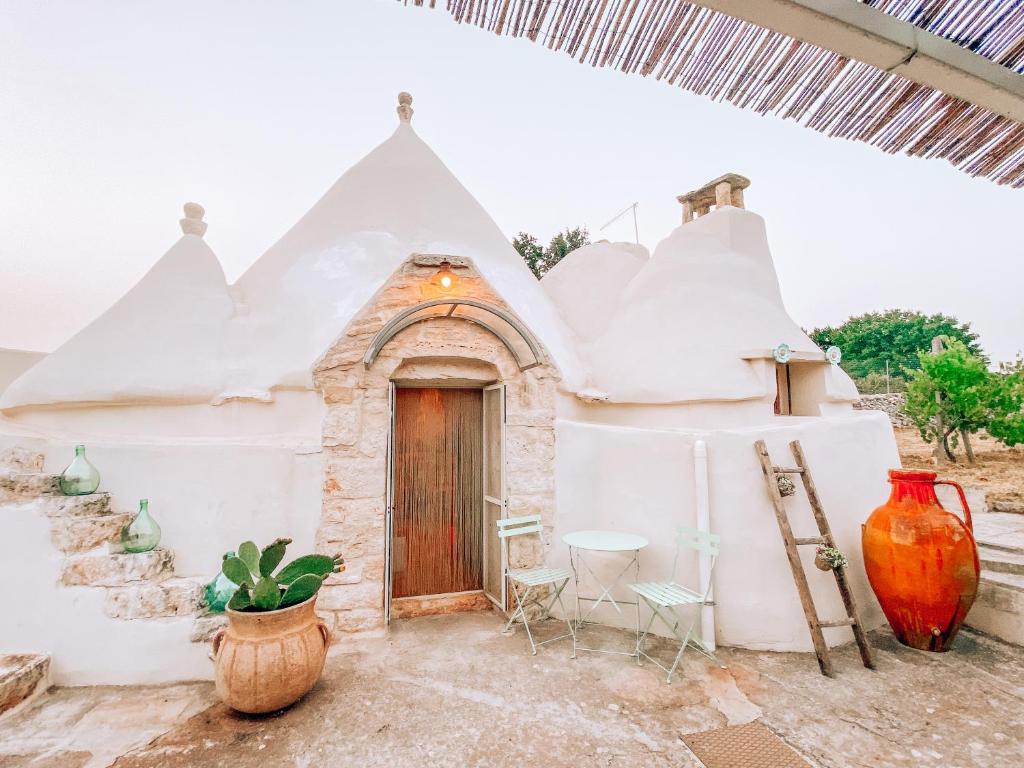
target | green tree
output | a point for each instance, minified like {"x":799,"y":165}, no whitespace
{"x":896,"y":336}
{"x":1006,"y":423}
{"x":951,"y":394}
{"x":541,"y":260}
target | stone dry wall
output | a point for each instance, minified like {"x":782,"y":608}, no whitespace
{"x":891,"y":404}
{"x":355,"y":430}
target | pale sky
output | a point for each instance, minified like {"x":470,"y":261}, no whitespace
{"x":113,"y":114}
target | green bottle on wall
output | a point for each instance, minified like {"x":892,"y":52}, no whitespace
{"x":81,"y":477}
{"x":143,"y":533}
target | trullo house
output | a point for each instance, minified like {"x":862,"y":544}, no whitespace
{"x":624,"y":391}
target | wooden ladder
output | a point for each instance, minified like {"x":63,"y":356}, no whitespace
{"x":771,"y":477}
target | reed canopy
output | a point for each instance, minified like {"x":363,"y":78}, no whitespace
{"x":954,"y":91}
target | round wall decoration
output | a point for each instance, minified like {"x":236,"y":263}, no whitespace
{"x":782,"y":353}
{"x":833,"y":354}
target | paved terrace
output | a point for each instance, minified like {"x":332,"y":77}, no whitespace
{"x":452,"y":691}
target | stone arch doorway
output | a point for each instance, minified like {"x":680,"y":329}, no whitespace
{"x":441,"y":351}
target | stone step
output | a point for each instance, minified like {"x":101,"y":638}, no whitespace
{"x":173,"y":597}
{"x":15,"y":459}
{"x":999,"y":607}
{"x":1000,"y":560}
{"x":117,"y":569}
{"x":19,"y":486}
{"x":1000,"y":530}
{"x":206,"y":626}
{"x":22,"y":676}
{"x":81,"y":534}
{"x":91,"y":505}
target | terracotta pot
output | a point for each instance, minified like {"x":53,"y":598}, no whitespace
{"x":267,"y":661}
{"x":922,"y":561}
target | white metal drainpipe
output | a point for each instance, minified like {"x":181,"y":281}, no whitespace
{"x":700,"y":474}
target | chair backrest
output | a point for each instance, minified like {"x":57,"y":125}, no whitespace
{"x":700,"y":541}
{"x":517,"y":526}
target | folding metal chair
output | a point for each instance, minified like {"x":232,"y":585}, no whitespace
{"x":532,"y":578}
{"x":664,"y":597}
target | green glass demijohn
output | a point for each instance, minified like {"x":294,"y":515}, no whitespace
{"x":219,"y":591}
{"x":143,"y":533}
{"x":80,"y":477}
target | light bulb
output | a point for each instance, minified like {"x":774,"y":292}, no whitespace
{"x":445,"y":279}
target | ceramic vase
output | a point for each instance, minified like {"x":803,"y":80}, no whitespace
{"x":268,"y":660}
{"x":922,"y":561}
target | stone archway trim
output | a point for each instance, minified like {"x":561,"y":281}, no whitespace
{"x":419,"y":313}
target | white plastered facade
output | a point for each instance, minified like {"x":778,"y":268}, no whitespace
{"x":200,"y":396}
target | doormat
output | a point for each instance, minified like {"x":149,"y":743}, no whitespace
{"x":743,"y":746}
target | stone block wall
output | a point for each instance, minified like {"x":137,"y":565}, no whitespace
{"x":890,"y":404}
{"x":357,"y":422}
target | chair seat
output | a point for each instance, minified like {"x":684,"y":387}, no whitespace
{"x":533,"y":577}
{"x":666,"y":593}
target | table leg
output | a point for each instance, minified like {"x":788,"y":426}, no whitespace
{"x":636,"y":557}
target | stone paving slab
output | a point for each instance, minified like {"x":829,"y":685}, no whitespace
{"x":1002,"y":530}
{"x":92,"y":727}
{"x":453,"y":691}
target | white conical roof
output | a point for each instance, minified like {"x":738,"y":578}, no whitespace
{"x":590,"y":280}
{"x":182,"y":335}
{"x":398,"y":200}
{"x":681,"y":328}
{"x":164,"y":339}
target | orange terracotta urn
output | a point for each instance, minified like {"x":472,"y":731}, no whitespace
{"x":921,"y":560}
{"x":266,"y":661}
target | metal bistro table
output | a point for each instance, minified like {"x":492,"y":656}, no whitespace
{"x":603,"y":541}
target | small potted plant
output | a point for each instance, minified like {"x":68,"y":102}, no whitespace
{"x":272,"y":651}
{"x":830,"y":558}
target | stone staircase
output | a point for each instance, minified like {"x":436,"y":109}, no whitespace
{"x":86,"y":531}
{"x":999,"y":607}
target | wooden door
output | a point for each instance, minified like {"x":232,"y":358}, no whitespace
{"x":437,"y":491}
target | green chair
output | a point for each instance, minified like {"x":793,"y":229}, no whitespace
{"x":532,"y":578}
{"x":663,"y":598}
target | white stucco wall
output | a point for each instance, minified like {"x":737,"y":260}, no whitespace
{"x":642,"y":481}
{"x":207,"y":497}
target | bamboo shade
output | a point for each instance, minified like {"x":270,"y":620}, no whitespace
{"x":438,"y":491}
{"x":726,"y":59}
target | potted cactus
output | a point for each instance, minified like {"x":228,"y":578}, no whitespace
{"x":272,"y":651}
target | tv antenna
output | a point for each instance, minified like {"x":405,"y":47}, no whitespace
{"x":636,"y":227}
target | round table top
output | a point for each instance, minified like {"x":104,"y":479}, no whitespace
{"x":605,"y":541}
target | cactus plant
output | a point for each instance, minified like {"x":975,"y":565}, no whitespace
{"x":259,"y":589}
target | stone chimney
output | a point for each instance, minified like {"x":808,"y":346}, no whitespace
{"x":725,"y":190}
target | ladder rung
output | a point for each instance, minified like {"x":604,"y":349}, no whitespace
{"x":813,"y":540}
{"x":848,"y":622}
{"x":787,"y":470}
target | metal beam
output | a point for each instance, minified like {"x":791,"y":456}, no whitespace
{"x":865,"y":34}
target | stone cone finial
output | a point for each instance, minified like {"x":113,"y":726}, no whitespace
{"x":405,"y":107}
{"x":193,"y":223}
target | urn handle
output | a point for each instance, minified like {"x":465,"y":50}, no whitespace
{"x":218,"y":638}
{"x":326,"y":633}
{"x":963,"y":502}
